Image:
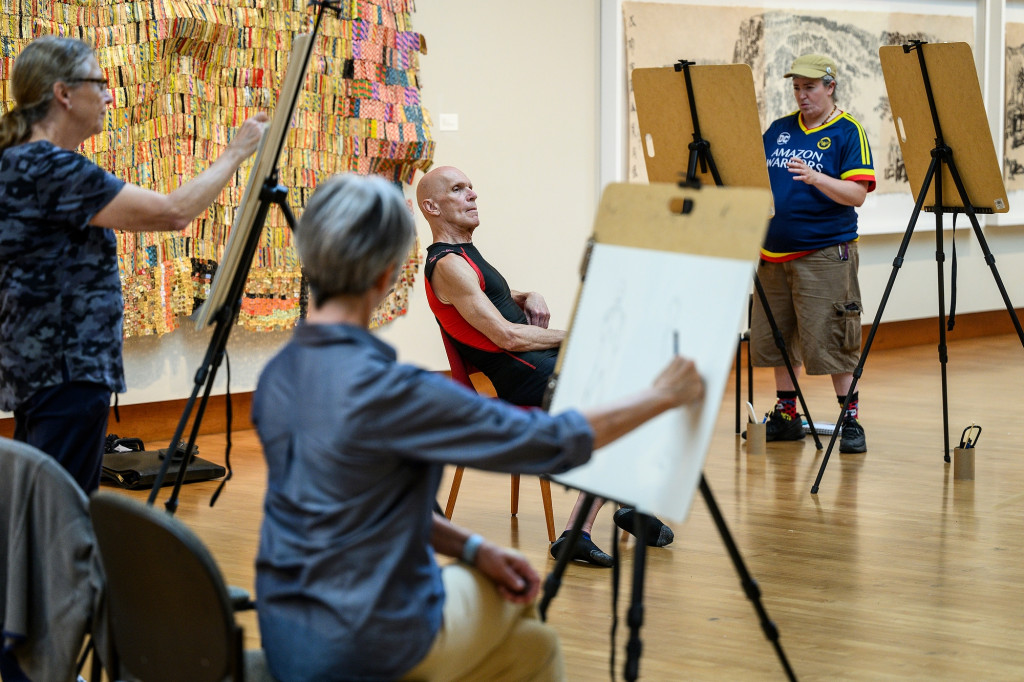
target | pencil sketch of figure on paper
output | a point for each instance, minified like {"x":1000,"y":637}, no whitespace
{"x":610,"y":350}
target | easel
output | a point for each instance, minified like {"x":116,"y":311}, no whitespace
{"x":921,"y":101}
{"x":228,"y":286}
{"x":718,"y":226}
{"x":667,"y":112}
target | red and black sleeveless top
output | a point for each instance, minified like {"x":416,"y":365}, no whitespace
{"x":519,"y":378}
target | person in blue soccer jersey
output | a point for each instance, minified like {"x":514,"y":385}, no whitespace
{"x":61,"y":308}
{"x":820,"y":167}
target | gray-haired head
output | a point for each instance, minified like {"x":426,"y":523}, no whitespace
{"x":43,"y":62}
{"x":353,"y":228}
{"x":827,"y":81}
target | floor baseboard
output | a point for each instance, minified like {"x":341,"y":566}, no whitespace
{"x":904,"y":333}
{"x":155,"y":422}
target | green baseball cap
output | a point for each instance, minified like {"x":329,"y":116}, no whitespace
{"x":812,"y":66}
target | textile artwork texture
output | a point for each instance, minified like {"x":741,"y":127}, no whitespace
{"x":184,"y":75}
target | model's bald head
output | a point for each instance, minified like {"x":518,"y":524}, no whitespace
{"x":429,"y":183}
{"x":446,"y":199}
{"x":434,"y":183}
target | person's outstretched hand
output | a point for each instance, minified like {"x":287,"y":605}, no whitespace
{"x":680,"y":382}
{"x":249,"y":134}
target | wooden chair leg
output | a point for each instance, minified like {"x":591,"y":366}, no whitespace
{"x":515,"y":494}
{"x":545,"y":493}
{"x":454,"y":492}
{"x":549,"y":515}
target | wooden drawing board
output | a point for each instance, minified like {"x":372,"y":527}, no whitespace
{"x":266,"y":160}
{"x":657,"y":282}
{"x":727,"y":114}
{"x":962,"y":118}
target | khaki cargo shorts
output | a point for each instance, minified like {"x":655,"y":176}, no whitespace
{"x":815,"y":301}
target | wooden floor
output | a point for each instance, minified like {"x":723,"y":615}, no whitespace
{"x":893,"y":570}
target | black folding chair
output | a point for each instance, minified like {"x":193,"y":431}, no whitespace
{"x":171,"y":616}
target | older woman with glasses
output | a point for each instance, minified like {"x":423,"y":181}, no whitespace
{"x":60,"y":292}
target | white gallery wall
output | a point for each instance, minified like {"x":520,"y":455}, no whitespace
{"x":522,"y":78}
{"x":537,"y":88}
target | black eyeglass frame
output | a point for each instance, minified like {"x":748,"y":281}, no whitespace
{"x":98,"y":81}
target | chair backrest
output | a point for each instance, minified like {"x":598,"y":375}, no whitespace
{"x":50,"y":578}
{"x":460,"y":368}
{"x":170,"y":615}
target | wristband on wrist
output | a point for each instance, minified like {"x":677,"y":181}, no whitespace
{"x":471,"y":547}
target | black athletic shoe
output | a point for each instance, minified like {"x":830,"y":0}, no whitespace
{"x":852,"y":436}
{"x":585,"y":551}
{"x":783,"y":427}
{"x":657,"y":534}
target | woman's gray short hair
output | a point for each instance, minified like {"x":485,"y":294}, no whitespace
{"x":827,"y":80}
{"x":353,"y":228}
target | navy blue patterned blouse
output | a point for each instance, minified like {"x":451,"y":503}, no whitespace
{"x":60,"y":293}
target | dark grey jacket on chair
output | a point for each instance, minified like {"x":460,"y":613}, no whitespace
{"x":52,"y":582}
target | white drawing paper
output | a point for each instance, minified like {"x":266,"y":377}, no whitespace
{"x":634,"y":306}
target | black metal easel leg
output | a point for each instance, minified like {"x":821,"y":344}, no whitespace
{"x":739,"y":374}
{"x":204,"y":377}
{"x":941,"y":154}
{"x":991,"y":261}
{"x":207,"y":372}
{"x":635,"y":617}
{"x":940,"y":260}
{"x":750,"y":588}
{"x":554,"y":579}
{"x":270,"y":193}
{"x":750,"y":375}
{"x":897,"y":263}
{"x":700,"y":151}
{"x":744,"y":337}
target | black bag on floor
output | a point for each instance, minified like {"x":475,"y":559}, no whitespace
{"x":127,"y":464}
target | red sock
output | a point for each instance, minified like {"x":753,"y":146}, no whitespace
{"x":786,"y":403}
{"x":852,"y":408}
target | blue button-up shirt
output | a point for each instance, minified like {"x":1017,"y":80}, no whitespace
{"x":347,"y":583}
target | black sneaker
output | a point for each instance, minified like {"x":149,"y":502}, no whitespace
{"x":585,"y":550}
{"x":783,"y":427}
{"x":852,"y":436}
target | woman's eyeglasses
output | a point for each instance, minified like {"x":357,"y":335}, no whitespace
{"x":98,"y":81}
